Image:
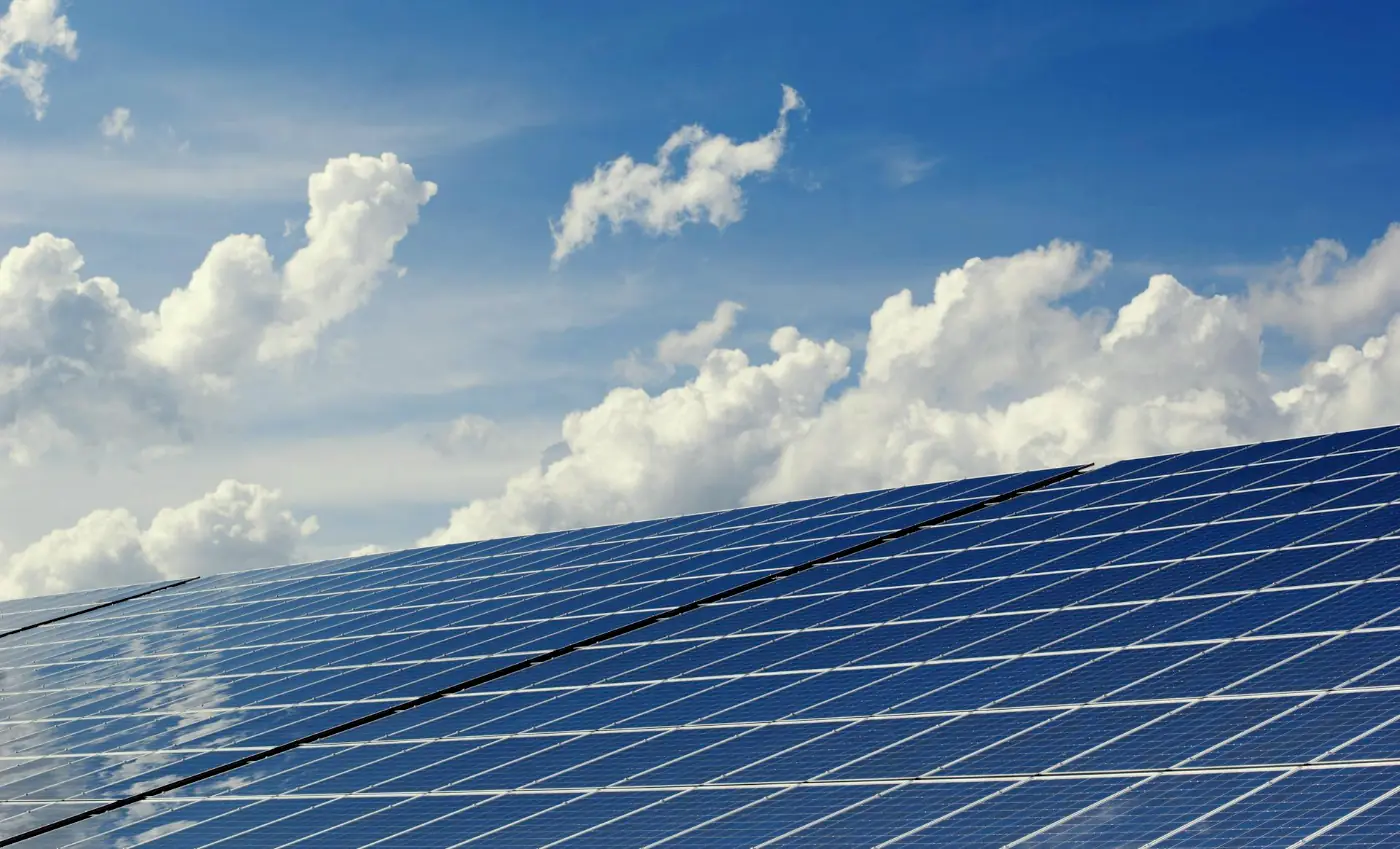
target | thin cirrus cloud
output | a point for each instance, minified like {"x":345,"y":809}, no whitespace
{"x":991,"y":373}
{"x":660,"y":201}
{"x":29,"y":30}
{"x":903,"y":165}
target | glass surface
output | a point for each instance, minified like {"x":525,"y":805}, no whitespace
{"x":128,"y":697}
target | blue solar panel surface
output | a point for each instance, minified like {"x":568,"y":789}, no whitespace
{"x":1192,"y":650}
{"x":22,"y":614}
{"x":124,"y":699}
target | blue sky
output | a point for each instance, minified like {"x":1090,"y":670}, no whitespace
{"x":1175,"y":132}
{"x":1179,"y":134}
{"x":1212,"y":141}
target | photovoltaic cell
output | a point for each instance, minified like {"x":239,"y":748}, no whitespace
{"x":129,"y":697}
{"x":1192,"y":650}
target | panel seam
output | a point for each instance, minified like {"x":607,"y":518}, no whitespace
{"x":95,"y":607}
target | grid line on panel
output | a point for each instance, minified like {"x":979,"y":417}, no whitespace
{"x":1127,"y":606}
{"x":1008,"y":784}
{"x":1345,"y":818}
{"x":1187,"y":703}
{"x":762,"y":800}
{"x":1184,"y":767}
{"x":1316,"y":762}
{"x":82,"y":611}
{"x":1088,"y":652}
{"x":1308,"y":695}
{"x":1282,"y":769}
{"x":1023,"y":731}
{"x":535,"y":660}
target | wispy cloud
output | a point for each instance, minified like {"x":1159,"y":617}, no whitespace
{"x":903,"y":165}
{"x":213,"y":141}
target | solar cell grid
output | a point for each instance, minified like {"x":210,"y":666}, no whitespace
{"x":1130,"y":656}
{"x":1026,"y":656}
{"x":18,"y":615}
{"x":249,"y":661}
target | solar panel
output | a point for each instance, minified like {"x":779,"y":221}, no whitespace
{"x":1191,"y":650}
{"x":18,"y":615}
{"x":194,"y":677}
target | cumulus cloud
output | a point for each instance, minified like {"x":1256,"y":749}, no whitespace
{"x":117,"y":125}
{"x":993,"y":375}
{"x":238,"y":307}
{"x":28,"y":30}
{"x":993,"y":371}
{"x":654,"y":197}
{"x":80,"y":365}
{"x":1327,"y":298}
{"x":682,"y":347}
{"x":1351,"y":386}
{"x":236,"y":526}
{"x":678,"y":451}
{"x":70,"y":367}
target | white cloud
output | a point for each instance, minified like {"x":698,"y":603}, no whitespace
{"x":238,"y":307}
{"x":1353,"y":386}
{"x":1326,"y":298}
{"x":102,"y":549}
{"x":652,"y":196}
{"x":470,"y":430}
{"x":80,"y":365}
{"x":70,"y":372}
{"x":681,"y":450}
{"x":993,"y":373}
{"x":367,"y":550}
{"x":117,"y":124}
{"x":681,"y":347}
{"x":994,"y":326}
{"x":236,"y":526}
{"x":29,"y":29}
{"x":691,"y":347}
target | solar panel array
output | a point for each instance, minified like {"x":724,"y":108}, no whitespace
{"x":1201,"y":649}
